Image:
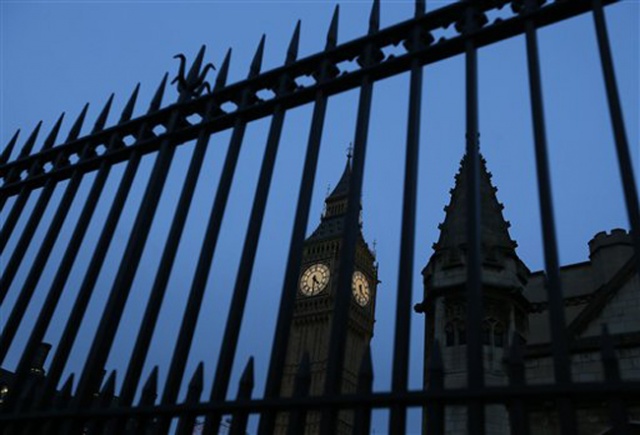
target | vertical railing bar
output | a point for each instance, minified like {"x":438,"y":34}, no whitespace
{"x":37,"y":267}
{"x":435,"y":423}
{"x":518,"y":414}
{"x":139,"y":354}
{"x":44,"y":198}
{"x":14,"y":215}
{"x":617,"y":410}
{"x":474,"y":308}
{"x":95,"y":265}
{"x":187,"y":419}
{"x":617,"y":121}
{"x":25,"y":239}
{"x":119,"y":293}
{"x":156,"y":296}
{"x":245,"y":388}
{"x":397,"y":422}
{"x":62,"y":274}
{"x":288,"y":295}
{"x":342,"y":299}
{"x":88,"y":284}
{"x":559,"y":345}
{"x":245,"y":270}
{"x":232,"y":332}
{"x":207,"y":250}
{"x":24,"y":194}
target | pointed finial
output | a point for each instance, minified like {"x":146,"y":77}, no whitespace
{"x":221,"y":79}
{"x":197,"y":379}
{"x":375,"y":247}
{"x":67,"y":388}
{"x":6,"y":154}
{"x":156,"y":102}
{"x":51,"y":139}
{"x":256,"y":64}
{"x":127,"y":112}
{"x":102,"y":118}
{"x":109,"y":388}
{"x":148,"y":396}
{"x":195,"y":67}
{"x":332,"y":34}
{"x":328,"y":190}
{"x":292,"y":52}
{"x":246,"y":380}
{"x":31,"y":140}
{"x":77,"y":126}
{"x":420,"y":8}
{"x":349,"y":153}
{"x":374,"y":18}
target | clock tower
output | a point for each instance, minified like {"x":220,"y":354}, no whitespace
{"x":317,"y":287}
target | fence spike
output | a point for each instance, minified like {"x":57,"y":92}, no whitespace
{"x":195,"y":67}
{"x":31,"y":140}
{"x":109,"y":388}
{"x":362,"y":418}
{"x":149,"y":391}
{"x":374,"y":18}
{"x":51,"y":139}
{"x":77,"y":126}
{"x":221,"y":79}
{"x":332,"y":34}
{"x":6,"y":154}
{"x":197,"y":379}
{"x":67,"y":388}
{"x":156,"y":102}
{"x":256,"y":63}
{"x":292,"y":52}
{"x":246,"y":380}
{"x":420,"y":8}
{"x":102,"y":118}
{"x":127,"y":112}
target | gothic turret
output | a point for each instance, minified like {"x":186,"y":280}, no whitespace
{"x":503,"y":277}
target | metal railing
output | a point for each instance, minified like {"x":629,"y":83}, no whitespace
{"x":32,"y":405}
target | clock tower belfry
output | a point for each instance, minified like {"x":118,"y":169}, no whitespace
{"x":317,"y":288}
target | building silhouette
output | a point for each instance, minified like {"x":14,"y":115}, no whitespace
{"x":603,"y":290}
{"x":314,"y":305}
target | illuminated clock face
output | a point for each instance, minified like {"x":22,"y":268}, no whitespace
{"x":360,"y":288}
{"x":314,"y":279}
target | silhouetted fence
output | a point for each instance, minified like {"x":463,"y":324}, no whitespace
{"x":37,"y":403}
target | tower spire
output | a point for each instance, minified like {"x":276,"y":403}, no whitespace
{"x":494,"y":228}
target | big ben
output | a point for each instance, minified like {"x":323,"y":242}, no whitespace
{"x":317,"y":287}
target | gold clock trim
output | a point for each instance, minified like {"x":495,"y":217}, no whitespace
{"x":314,"y":279}
{"x":360,"y":288}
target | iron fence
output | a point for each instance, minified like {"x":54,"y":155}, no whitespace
{"x":38,"y":404}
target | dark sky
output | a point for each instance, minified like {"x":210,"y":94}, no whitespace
{"x":56,"y":56}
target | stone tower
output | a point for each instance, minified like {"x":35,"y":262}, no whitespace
{"x":314,"y":305}
{"x":504,"y":277}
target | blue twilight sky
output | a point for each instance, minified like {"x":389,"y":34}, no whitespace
{"x":56,"y":56}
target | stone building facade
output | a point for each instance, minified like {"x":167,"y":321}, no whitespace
{"x":603,"y":290}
